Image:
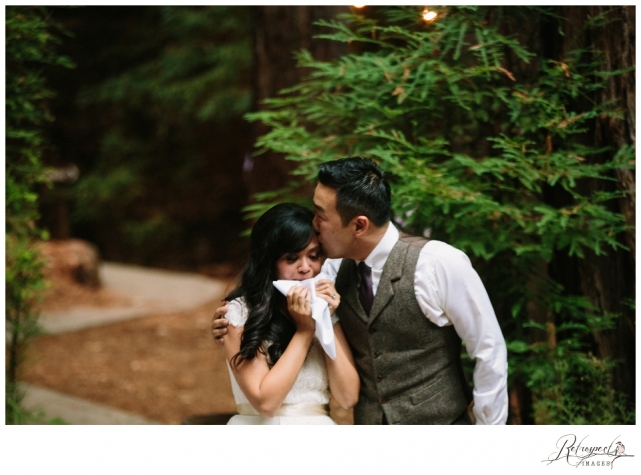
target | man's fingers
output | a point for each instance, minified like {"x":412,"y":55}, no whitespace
{"x":220,"y":311}
{"x":218,"y":331}
{"x":219,"y":323}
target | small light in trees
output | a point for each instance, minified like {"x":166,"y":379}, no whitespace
{"x":429,"y":16}
{"x":359,"y":6}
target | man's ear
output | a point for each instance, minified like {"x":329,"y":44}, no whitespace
{"x":361,"y":225}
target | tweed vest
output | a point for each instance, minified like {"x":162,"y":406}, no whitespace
{"x":410,"y":368}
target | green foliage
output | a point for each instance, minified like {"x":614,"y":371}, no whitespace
{"x":474,"y":151}
{"x":24,"y":285}
{"x":569,"y":384}
{"x":182,"y":80}
{"x":200,"y":69}
{"x":17,"y":415}
{"x":30,"y":45}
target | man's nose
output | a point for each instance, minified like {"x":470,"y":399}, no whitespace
{"x":314,"y":223}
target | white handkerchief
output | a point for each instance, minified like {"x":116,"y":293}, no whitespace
{"x":320,"y":311}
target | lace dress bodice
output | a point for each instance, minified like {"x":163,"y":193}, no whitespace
{"x":311,"y":385}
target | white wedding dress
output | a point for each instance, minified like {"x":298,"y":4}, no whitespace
{"x":307,"y":401}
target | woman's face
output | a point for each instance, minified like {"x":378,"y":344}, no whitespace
{"x":300,"y":265}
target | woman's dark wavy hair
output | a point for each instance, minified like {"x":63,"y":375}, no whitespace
{"x":282,"y":229}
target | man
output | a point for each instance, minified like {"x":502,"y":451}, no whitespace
{"x":406,"y":303}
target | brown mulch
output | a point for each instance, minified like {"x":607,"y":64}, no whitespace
{"x":165,"y":367}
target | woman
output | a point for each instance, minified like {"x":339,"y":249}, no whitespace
{"x":279,"y":372}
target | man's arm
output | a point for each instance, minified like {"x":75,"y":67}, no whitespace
{"x":450,"y":292}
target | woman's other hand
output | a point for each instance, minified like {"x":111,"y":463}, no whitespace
{"x":325,"y":289}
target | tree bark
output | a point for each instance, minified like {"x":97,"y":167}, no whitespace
{"x":280,"y":32}
{"x":608,"y":280}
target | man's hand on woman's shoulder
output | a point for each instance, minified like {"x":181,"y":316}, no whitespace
{"x":219,"y":323}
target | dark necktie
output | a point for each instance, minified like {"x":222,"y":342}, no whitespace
{"x":365,"y":292}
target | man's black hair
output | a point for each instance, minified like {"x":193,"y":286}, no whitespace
{"x":361,"y":189}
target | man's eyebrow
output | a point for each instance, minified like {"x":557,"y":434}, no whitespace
{"x":319,"y":208}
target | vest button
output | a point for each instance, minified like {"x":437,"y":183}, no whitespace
{"x":379,"y":378}
{"x":384,"y":400}
{"x":377,"y":354}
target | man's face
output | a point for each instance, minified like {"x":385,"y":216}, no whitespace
{"x":336,"y":239}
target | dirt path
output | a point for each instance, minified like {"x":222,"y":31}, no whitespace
{"x":164,"y":367}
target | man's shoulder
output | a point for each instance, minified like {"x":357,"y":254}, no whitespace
{"x":429,"y":246}
{"x":417,"y":241}
{"x":441,"y":251}
{"x":435,"y":246}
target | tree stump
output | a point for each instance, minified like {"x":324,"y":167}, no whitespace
{"x":73,"y":260}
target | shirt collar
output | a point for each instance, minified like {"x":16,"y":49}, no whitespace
{"x":377,"y":258}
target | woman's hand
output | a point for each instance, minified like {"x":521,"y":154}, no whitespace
{"x":325,"y":289}
{"x":300,"y":308}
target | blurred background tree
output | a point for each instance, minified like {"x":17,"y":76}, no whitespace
{"x":149,"y":156}
{"x":152,"y":117}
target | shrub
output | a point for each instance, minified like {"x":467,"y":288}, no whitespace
{"x":29,"y":46}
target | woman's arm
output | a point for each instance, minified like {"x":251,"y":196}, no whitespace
{"x":267,"y":388}
{"x":344,"y":382}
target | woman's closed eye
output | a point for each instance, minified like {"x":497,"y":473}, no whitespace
{"x":292,"y":258}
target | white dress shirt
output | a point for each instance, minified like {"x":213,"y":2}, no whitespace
{"x":450,"y":292}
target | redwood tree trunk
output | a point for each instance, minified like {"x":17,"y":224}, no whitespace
{"x":608,"y":280}
{"x":280,"y":32}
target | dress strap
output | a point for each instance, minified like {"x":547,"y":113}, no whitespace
{"x":288,"y":410}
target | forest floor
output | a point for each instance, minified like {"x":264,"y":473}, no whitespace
{"x":164,"y":366}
